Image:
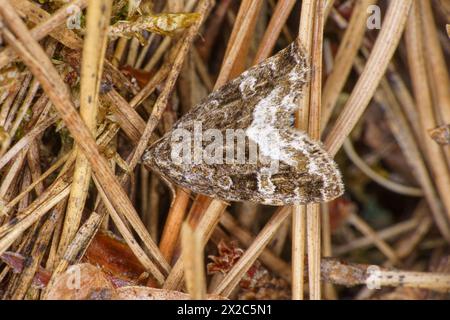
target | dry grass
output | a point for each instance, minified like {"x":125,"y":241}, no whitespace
{"x":75,"y":123}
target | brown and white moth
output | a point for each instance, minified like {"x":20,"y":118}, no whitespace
{"x":239,"y":143}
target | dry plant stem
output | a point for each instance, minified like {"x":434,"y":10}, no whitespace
{"x":299,"y":212}
{"x":364,"y":228}
{"x":245,"y":25}
{"x":164,"y":45}
{"x":227,"y":285}
{"x":436,"y":59}
{"x":120,"y":49}
{"x":383,"y":50}
{"x":15,"y":106}
{"x":420,"y":280}
{"x":406,"y":140}
{"x":53,"y":22}
{"x":53,"y":246}
{"x":97,"y":23}
{"x":162,"y":49}
{"x":376,"y":177}
{"x":33,"y":246}
{"x":144,"y":51}
{"x":348,"y":49}
{"x":37,"y":208}
{"x":204,"y":228}
{"x":37,"y":253}
{"x":327,"y":8}
{"x":9,"y":185}
{"x":329,"y":291}
{"x":128,"y":236}
{"x":305,"y":34}
{"x":67,"y":160}
{"x":33,"y":157}
{"x":8,"y":99}
{"x":12,"y":174}
{"x":9,"y":233}
{"x":405,"y":246}
{"x":313,"y":239}
{"x":313,"y":214}
{"x":279,"y":240}
{"x":132,"y":52}
{"x":127,"y":118}
{"x":327,"y":57}
{"x":19,"y":116}
{"x":174,"y":6}
{"x":213,"y":28}
{"x":202,"y":70}
{"x":10,"y":205}
{"x":245,"y":21}
{"x":161,"y":103}
{"x":285,"y":31}
{"x":408,"y":243}
{"x":406,"y":100}
{"x":417,"y":63}
{"x":66,"y":36}
{"x":150,"y":87}
{"x":247,"y":213}
{"x":61,"y":33}
{"x":113,"y":74}
{"x":339,"y":18}
{"x":33,"y":55}
{"x":192,"y":255}
{"x":40,"y":114}
{"x":277,"y":21}
{"x":26,"y":140}
{"x":78,"y":246}
{"x":351,"y":274}
{"x":267,"y":257}
{"x":173,"y":223}
{"x":154,"y":206}
{"x":437,"y":67}
{"x":385,"y":234}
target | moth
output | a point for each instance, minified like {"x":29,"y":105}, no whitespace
{"x":239,"y":144}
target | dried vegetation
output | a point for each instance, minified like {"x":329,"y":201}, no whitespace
{"x":83,"y":92}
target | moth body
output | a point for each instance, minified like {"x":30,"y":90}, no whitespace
{"x":238,"y":144}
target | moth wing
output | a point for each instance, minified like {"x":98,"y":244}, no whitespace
{"x":287,"y":71}
{"x":258,"y":105}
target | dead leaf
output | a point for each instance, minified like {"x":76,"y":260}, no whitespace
{"x":16,"y":262}
{"x":87,"y":282}
{"x":146,"y":293}
{"x":164,"y":24}
{"x":116,"y":259}
{"x":80,"y":282}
